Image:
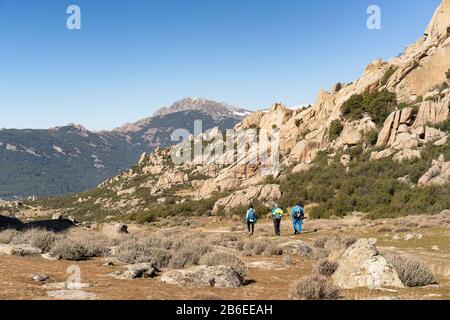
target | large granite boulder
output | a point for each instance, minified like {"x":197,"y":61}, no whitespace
{"x":362,"y":266}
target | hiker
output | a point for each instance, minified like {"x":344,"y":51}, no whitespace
{"x":251,"y":220}
{"x":298,"y":215}
{"x":277,"y":215}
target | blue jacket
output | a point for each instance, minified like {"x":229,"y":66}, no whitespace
{"x":295,"y":209}
{"x":251,"y":215}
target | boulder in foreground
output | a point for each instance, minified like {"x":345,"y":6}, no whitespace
{"x":362,"y":266}
{"x":204,"y":276}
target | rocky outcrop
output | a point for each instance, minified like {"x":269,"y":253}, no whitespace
{"x":431,"y":112}
{"x":407,"y":154}
{"x":353,"y":132}
{"x":439,"y":25}
{"x":135,"y":271}
{"x":265,"y":194}
{"x":301,"y":167}
{"x":399,"y":131}
{"x":362,"y":266}
{"x":203,"y":276}
{"x":437,"y":175}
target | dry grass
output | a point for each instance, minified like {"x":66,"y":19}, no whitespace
{"x":313,"y":288}
{"x":225,"y":259}
{"x":288,"y":261}
{"x":69,"y":250}
{"x":412,"y":272}
{"x":326,"y":267}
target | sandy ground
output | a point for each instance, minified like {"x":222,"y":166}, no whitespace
{"x":263,"y":283}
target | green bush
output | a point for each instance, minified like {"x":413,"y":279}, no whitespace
{"x":353,"y":108}
{"x":378,"y":104}
{"x":336,"y":128}
{"x":368,"y":186}
{"x":387,"y":75}
{"x":371,"y":137}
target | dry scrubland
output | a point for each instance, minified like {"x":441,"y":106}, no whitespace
{"x":140,"y":264}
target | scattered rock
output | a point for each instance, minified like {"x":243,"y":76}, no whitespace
{"x":203,"y":276}
{"x":135,"y":271}
{"x":301,"y":167}
{"x":437,"y":175}
{"x":47,"y":256}
{"x":115,"y":229}
{"x":362,"y":266}
{"x":57,"y":216}
{"x":296,"y":247}
{"x":266,"y":265}
{"x":40,"y":277}
{"x":411,"y":236}
{"x":435,"y":248}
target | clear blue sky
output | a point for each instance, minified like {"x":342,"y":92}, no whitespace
{"x":131,"y":57}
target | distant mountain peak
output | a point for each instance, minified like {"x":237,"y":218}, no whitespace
{"x":214,"y":108}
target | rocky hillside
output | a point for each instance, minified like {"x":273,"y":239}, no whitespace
{"x":378,"y":145}
{"x":72,"y":159}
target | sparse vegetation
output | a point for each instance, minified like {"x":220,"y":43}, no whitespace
{"x":225,"y":259}
{"x":412,"y":272}
{"x":313,"y":288}
{"x":447,"y":74}
{"x":387,"y":75}
{"x":69,"y":250}
{"x":336,"y":128}
{"x":326,"y":267}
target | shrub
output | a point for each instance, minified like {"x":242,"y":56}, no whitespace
{"x":384,"y":229}
{"x":326,"y":267}
{"x":371,"y":137}
{"x":387,"y":75}
{"x":412,"y":272}
{"x":288,"y":260}
{"x":225,"y":259}
{"x":447,"y":74}
{"x":129,"y":251}
{"x":378,"y":104}
{"x":94,"y":246}
{"x":274,"y":250}
{"x":257,"y":247}
{"x":336,"y":128}
{"x":41,"y":239}
{"x":69,"y":250}
{"x":188,"y":256}
{"x":313,"y":288}
{"x":7,"y":236}
{"x":353,"y":109}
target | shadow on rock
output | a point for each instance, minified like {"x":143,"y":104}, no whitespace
{"x":49,"y":225}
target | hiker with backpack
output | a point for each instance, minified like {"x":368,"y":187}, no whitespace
{"x":251,"y":218}
{"x":298,"y":215}
{"x":277,"y":215}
